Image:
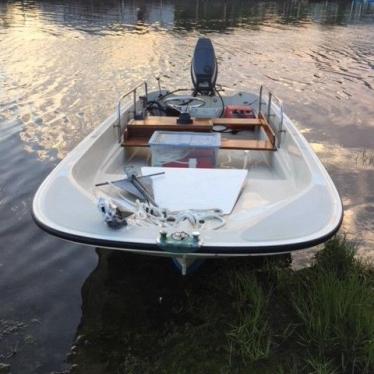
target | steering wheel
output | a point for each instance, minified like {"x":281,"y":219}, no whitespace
{"x":182,"y":104}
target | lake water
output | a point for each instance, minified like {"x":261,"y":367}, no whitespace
{"x":63,"y":64}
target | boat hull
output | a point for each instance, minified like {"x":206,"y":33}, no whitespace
{"x":204,"y":251}
{"x":289,"y":202}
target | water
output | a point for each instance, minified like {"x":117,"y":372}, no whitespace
{"x":63,"y":65}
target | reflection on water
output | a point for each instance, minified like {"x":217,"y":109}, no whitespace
{"x":63,"y":64}
{"x":209,"y":15}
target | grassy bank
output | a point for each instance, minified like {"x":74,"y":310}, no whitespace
{"x":230,"y":317}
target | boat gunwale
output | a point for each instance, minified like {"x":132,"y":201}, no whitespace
{"x":211,"y":251}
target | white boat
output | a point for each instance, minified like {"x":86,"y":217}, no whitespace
{"x":287,"y":201}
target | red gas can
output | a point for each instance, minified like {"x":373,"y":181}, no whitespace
{"x":239,"y":111}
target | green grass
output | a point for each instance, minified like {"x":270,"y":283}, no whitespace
{"x":250,"y":336}
{"x":332,"y":309}
{"x":234,"y":316}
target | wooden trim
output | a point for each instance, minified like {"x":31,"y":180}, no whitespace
{"x":138,"y":132}
{"x":234,"y":123}
{"x":270,"y":134}
{"x":169,"y":121}
{"x":243,"y":144}
{"x":241,"y":122}
{"x":268,"y":129}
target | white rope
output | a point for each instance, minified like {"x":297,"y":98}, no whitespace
{"x":145,"y":214}
{"x":148,"y":214}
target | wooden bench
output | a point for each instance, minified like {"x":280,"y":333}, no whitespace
{"x":138,"y":132}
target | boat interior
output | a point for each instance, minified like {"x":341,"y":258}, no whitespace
{"x":250,"y":127}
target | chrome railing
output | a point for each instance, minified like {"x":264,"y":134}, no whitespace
{"x":133,"y":91}
{"x":271,"y":99}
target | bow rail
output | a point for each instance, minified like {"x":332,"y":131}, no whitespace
{"x":270,"y":114}
{"x":133,"y":91}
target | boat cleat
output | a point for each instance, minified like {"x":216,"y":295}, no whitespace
{"x":179,"y":241}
